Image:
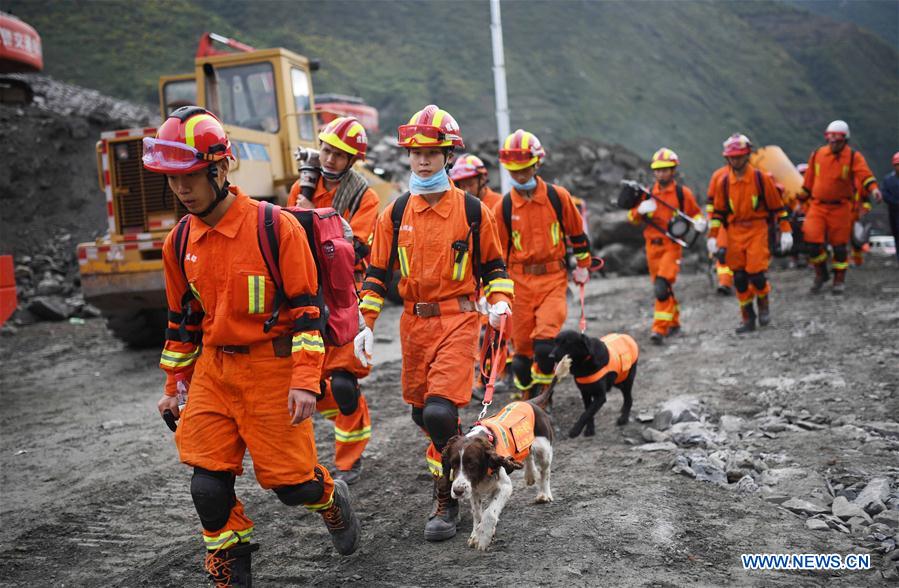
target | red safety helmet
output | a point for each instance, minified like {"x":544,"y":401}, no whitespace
{"x":467,"y":166}
{"x":521,"y":150}
{"x":190,"y":139}
{"x":663,"y":158}
{"x":430,"y":127}
{"x":347,"y":134}
{"x":736,"y":145}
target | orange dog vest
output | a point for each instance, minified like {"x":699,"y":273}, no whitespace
{"x":623,"y":354}
{"x":513,"y":430}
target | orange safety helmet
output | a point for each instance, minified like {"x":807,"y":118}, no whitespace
{"x":347,"y":134}
{"x":663,"y":158}
{"x":521,"y":150}
{"x":467,"y":166}
{"x":737,"y":144}
{"x":190,"y":139}
{"x":430,"y":127}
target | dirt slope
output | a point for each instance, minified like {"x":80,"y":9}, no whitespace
{"x":93,"y":494}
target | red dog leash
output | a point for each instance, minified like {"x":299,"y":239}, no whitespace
{"x":493,"y":358}
{"x":596,"y":264}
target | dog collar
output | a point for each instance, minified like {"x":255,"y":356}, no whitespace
{"x":480,"y":428}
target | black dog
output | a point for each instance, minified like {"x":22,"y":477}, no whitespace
{"x":597,"y":365}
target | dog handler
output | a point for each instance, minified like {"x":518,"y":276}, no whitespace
{"x":249,"y":389}
{"x":439,"y":326}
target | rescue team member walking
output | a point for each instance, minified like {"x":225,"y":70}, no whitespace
{"x":662,"y":254}
{"x":724,"y":274}
{"x":744,"y":199}
{"x":249,"y":389}
{"x":830,"y":182}
{"x":343,"y":142}
{"x":533,"y":221}
{"x":470,"y":174}
{"x":440,"y":240}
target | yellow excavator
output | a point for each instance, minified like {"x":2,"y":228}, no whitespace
{"x":264,"y":98}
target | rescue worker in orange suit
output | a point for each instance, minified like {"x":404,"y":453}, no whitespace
{"x":248,"y":389}
{"x":724,"y":274}
{"x":436,"y":254}
{"x":744,"y":199}
{"x":662,"y":254}
{"x":470,"y":174}
{"x":829,"y":184}
{"x":341,"y":143}
{"x":533,"y":234}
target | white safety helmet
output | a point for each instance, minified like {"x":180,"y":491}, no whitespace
{"x":839,"y":127}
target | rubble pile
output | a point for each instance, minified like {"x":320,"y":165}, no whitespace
{"x":728,"y":453}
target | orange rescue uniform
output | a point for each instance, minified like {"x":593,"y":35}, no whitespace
{"x":536,"y":248}
{"x":724,"y":273}
{"x":744,"y":212}
{"x":829,"y":185}
{"x":490,"y":198}
{"x":351,"y":431}
{"x":439,"y":325}
{"x":240,"y":376}
{"x":662,"y":254}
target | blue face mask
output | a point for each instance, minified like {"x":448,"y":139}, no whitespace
{"x":525,"y":187}
{"x":439,"y":182}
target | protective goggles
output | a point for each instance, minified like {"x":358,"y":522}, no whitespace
{"x":423,"y":135}
{"x":172,"y":155}
{"x":516,"y":155}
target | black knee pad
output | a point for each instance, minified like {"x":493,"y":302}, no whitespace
{"x":814,"y":249}
{"x":662,"y":289}
{"x":758,"y":280}
{"x":521,"y":368}
{"x":441,"y":418}
{"x":345,"y":388}
{"x":213,"y":494}
{"x":543,"y":348}
{"x":741,"y":280}
{"x":306,"y":493}
{"x":841,"y":252}
{"x":417,"y":416}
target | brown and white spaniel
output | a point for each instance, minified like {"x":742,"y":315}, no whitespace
{"x":479,"y":463}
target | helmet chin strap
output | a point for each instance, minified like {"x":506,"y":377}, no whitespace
{"x":212,"y":173}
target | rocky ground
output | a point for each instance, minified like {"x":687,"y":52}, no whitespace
{"x":783,"y":441}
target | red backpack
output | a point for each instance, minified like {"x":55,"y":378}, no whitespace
{"x":335,"y":259}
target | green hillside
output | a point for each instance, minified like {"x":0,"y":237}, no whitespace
{"x":644,"y":74}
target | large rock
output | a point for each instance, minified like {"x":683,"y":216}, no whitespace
{"x":846,"y":510}
{"x":679,"y":409}
{"x":875,"y":493}
{"x":51,"y":309}
{"x":695,"y":433}
{"x":807,"y":507}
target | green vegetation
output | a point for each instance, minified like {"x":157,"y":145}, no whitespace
{"x":643,"y":74}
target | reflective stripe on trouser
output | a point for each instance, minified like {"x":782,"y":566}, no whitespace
{"x":239,"y":528}
{"x":238,"y":403}
{"x":539,"y":307}
{"x":351,"y":431}
{"x":435,"y":462}
{"x":666,"y":315}
{"x":725,"y":274}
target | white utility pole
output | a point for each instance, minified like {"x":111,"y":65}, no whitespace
{"x":499,"y":86}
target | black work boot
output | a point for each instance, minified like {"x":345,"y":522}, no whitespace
{"x":352,"y":475}
{"x":656,"y":338}
{"x":230,"y":567}
{"x":839,"y":281}
{"x":341,"y":520}
{"x":442,"y":521}
{"x":821,"y":277}
{"x":764,"y":312}
{"x":725,"y":290}
{"x":748,"y":324}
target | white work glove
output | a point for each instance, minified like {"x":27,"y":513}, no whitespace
{"x":363,"y":345}
{"x":700,"y":224}
{"x":494,"y":315}
{"x":482,"y":305}
{"x":647,"y":206}
{"x":580,"y":275}
{"x":876,"y":195}
{"x":786,"y":242}
{"x":712,"y":245}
